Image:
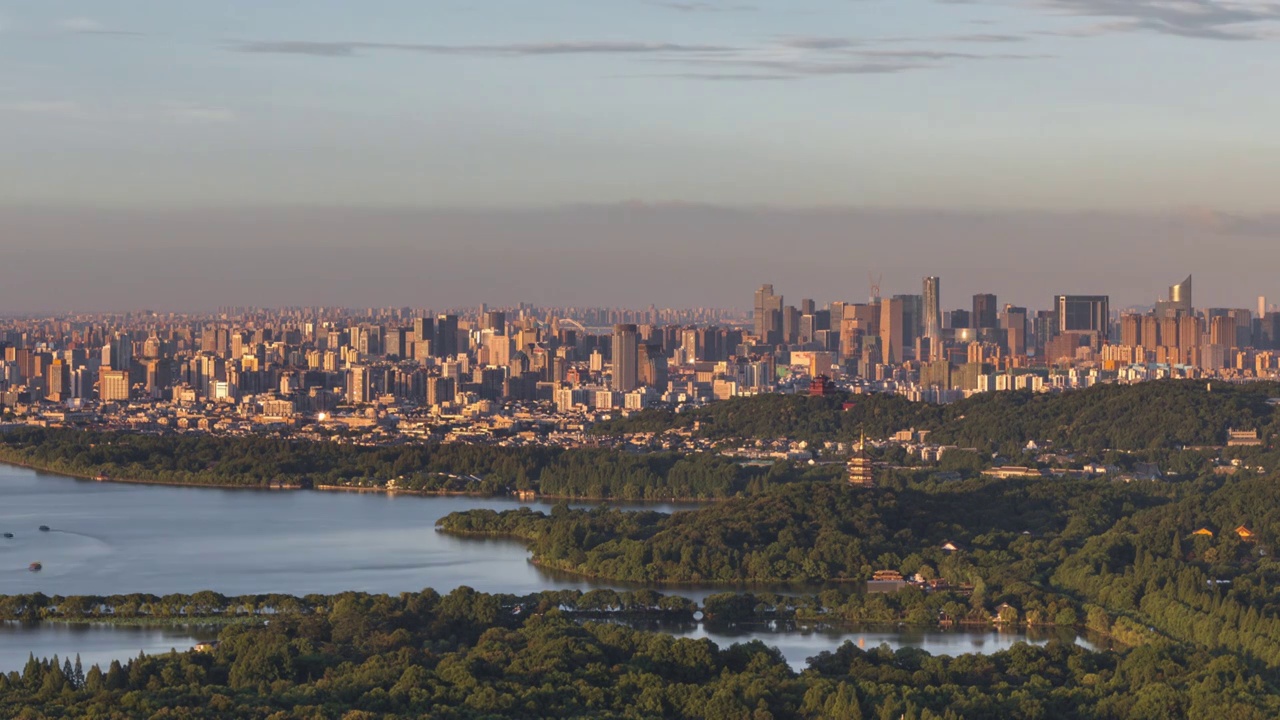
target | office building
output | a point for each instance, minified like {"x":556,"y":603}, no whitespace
{"x":1179,"y":302}
{"x":768,"y":316}
{"x":113,"y":385}
{"x":1222,"y":331}
{"x":446,"y":336}
{"x":652,"y":366}
{"x":894,"y":317}
{"x":984,"y":311}
{"x":1083,"y":313}
{"x":932,"y":320}
{"x":625,"y":358}
{"x":358,"y":385}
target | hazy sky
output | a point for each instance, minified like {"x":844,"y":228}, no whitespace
{"x":1020,"y":110}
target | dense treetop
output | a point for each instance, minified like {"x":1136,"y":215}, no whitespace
{"x":467,"y":656}
{"x":482,"y":469}
{"x":1142,"y":416}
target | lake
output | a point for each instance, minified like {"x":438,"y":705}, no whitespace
{"x":114,"y":538}
{"x":103,"y":643}
{"x":108,"y":538}
{"x":96,"y":644}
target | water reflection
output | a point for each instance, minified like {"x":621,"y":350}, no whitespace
{"x":94,"y":643}
{"x":799,"y":642}
{"x":109,"y":538}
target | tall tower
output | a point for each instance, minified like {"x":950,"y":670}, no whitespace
{"x":446,"y":339}
{"x":861,"y":473}
{"x":984,"y":311}
{"x":358,"y":386}
{"x":625,"y":358}
{"x":932,"y":310}
{"x":893,"y":329}
{"x":1180,"y":295}
{"x":768,"y":316}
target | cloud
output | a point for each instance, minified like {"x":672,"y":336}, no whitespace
{"x":82,"y":25}
{"x":53,"y":108}
{"x":988,"y":38}
{"x":179,"y":112}
{"x":819,"y":68}
{"x":694,"y":6}
{"x":201,"y":114}
{"x":1200,"y":19}
{"x":783,"y":58}
{"x":818,"y":43}
{"x":347,"y":49}
{"x":729,"y":77}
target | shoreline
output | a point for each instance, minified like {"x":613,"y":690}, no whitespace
{"x":356,"y":489}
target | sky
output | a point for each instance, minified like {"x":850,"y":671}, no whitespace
{"x":1015,"y":145}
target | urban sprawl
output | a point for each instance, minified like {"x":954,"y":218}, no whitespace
{"x":527,"y":375}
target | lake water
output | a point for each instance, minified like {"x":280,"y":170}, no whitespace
{"x":800,"y":643}
{"x":108,"y":538}
{"x":96,"y":644}
{"x":111,"y":538}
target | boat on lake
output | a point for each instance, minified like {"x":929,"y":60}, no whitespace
{"x":35,"y":567}
{"x":44,"y":528}
{"x":8,"y":535}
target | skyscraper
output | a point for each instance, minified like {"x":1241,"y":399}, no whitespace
{"x":768,"y":316}
{"x":1222,"y":331}
{"x":358,"y":386}
{"x":446,"y":338}
{"x":113,"y":385}
{"x":984,"y":311}
{"x":652,"y":366}
{"x":893,"y":329}
{"x":932,"y":309}
{"x":494,"y":320}
{"x":625,"y":358}
{"x":1180,"y":295}
{"x":1015,"y":329}
{"x":1179,"y":302}
{"x":121,"y":352}
{"x":1083,"y":313}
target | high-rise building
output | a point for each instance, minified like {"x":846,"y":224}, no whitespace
{"x":446,"y":336}
{"x":121,"y":352}
{"x":913,"y":311}
{"x":113,"y":385}
{"x":1222,"y":331}
{"x":1244,"y":327}
{"x":768,"y":316}
{"x":494,"y":320}
{"x":790,"y":325}
{"x":59,"y":376}
{"x":652,"y":366}
{"x":893,"y":329}
{"x":1269,"y":331}
{"x":424,"y":330}
{"x":984,"y":311}
{"x":1083,"y":313}
{"x":1014,"y":324}
{"x":358,"y":387}
{"x":1131,"y":326}
{"x":625,"y":358}
{"x":932,"y":309}
{"x":1188,"y":337}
